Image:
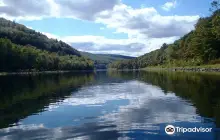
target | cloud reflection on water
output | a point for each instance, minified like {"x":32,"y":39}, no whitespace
{"x":146,"y":107}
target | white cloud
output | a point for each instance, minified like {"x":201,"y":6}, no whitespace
{"x":145,"y":31}
{"x":84,"y":9}
{"x":146,"y":22}
{"x":23,"y":9}
{"x":100,"y":44}
{"x":52,"y":36}
{"x":169,"y":5}
{"x":1,"y":3}
{"x":102,"y":28}
{"x":143,"y":26}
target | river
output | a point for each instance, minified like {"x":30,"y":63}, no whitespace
{"x":109,"y":105}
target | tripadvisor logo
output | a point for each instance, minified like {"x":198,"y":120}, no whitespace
{"x":170,"y":129}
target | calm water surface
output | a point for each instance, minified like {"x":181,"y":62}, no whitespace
{"x":108,"y":105}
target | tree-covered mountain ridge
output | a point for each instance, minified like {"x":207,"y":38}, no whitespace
{"x":23,"y":49}
{"x":102,"y":60}
{"x":21,"y":35}
{"x":200,"y":46}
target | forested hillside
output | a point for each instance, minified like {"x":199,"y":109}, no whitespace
{"x":102,"y":60}
{"x":15,"y":57}
{"x":19,"y":34}
{"x":23,"y":49}
{"x":200,"y":46}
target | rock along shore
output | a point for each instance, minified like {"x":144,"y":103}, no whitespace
{"x":187,"y":69}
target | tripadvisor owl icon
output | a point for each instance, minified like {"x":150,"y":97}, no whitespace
{"x":170,"y":129}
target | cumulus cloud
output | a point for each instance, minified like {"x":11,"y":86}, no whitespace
{"x":18,"y":9}
{"x":32,"y":9}
{"x":85,"y":9}
{"x":169,"y":5}
{"x":143,"y":25}
{"x":100,"y":44}
{"x":146,"y":21}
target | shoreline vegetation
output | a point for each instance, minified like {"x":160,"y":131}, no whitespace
{"x":203,"y":68}
{"x":42,"y":72}
{"x":186,"y":69}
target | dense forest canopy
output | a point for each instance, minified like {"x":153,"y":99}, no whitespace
{"x":23,"y":49}
{"x":19,"y":34}
{"x":200,"y":46}
{"x":15,"y":57}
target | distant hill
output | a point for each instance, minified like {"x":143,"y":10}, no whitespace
{"x":102,"y":60}
{"x":21,"y":35}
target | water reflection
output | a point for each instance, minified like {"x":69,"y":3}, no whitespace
{"x":113,"y":105}
{"x":24,"y":95}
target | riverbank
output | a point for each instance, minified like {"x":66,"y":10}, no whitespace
{"x":40,"y":72}
{"x":203,"y":68}
{"x":31,"y":72}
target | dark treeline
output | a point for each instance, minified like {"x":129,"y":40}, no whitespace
{"x":200,"y":46}
{"x":22,"y":96}
{"x":19,"y":34}
{"x":18,"y":58}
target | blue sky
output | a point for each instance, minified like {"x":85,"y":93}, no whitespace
{"x":128,"y":27}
